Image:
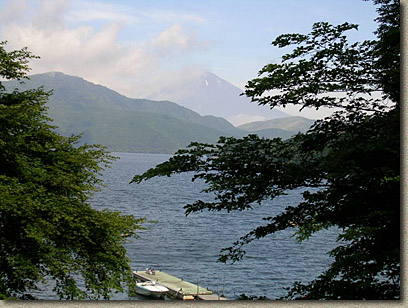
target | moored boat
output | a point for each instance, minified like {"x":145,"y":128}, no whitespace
{"x":151,"y":288}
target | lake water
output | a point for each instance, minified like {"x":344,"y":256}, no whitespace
{"x":188,"y":247}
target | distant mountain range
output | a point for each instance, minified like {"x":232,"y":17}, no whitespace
{"x":208,"y":94}
{"x":282,"y":127}
{"x":106,"y":117}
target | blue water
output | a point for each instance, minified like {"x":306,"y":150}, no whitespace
{"x":188,"y":247}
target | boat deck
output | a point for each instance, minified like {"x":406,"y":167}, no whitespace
{"x":177,"y":286}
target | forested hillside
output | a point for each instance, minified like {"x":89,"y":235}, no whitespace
{"x":106,"y":117}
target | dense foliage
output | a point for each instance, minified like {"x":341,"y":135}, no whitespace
{"x":48,"y":231}
{"x":347,"y":164}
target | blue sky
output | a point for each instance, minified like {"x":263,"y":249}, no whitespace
{"x":125,"y":45}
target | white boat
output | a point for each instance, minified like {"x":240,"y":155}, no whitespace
{"x":150,"y":288}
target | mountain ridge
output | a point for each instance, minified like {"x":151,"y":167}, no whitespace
{"x":295,"y":123}
{"x":125,"y":124}
{"x":77,"y":90}
{"x":106,"y":117}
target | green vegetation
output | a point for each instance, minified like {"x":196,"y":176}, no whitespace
{"x":120,"y":123}
{"x":49,"y":233}
{"x":245,"y":297}
{"x":132,"y":125}
{"x":347,"y":164}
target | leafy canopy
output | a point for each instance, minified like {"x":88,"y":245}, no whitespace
{"x":347,"y":164}
{"x":49,"y":233}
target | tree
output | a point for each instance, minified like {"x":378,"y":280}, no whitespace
{"x":49,"y":233}
{"x":347,"y":164}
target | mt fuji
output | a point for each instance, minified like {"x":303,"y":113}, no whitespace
{"x":208,"y":94}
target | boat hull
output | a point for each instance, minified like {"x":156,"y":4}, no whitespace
{"x":149,"y":288}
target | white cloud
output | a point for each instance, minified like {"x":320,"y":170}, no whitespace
{"x":95,"y":54}
{"x":84,"y":11}
{"x":167,"y":16}
{"x":175,"y":40}
{"x":13,"y":10}
{"x":48,"y":15}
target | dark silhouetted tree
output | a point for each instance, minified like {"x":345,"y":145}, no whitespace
{"x":347,"y":164}
{"x":49,"y":233}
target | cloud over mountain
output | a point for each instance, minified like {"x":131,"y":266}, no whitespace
{"x":84,"y":38}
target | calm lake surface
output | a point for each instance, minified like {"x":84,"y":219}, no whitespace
{"x":188,"y":247}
